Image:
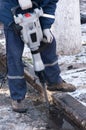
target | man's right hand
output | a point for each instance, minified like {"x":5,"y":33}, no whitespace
{"x":25,"y":4}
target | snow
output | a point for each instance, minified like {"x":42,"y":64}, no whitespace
{"x":77,"y":75}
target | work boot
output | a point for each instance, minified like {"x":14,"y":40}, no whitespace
{"x":19,"y":106}
{"x":63,"y":86}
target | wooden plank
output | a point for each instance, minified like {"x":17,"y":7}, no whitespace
{"x":31,"y":79}
{"x":71,"y":108}
{"x":2,"y":55}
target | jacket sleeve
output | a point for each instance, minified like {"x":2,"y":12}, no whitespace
{"x":49,"y":10}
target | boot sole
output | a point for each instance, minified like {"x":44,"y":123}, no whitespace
{"x":20,"y":110}
{"x":62,"y":90}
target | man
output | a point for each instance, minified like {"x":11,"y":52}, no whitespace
{"x":15,"y":46}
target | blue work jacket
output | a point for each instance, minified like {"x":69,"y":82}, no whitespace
{"x":48,"y":6}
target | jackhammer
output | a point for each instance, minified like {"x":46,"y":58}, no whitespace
{"x":31,"y":33}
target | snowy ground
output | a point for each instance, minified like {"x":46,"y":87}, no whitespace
{"x":75,"y":70}
{"x":75,"y":73}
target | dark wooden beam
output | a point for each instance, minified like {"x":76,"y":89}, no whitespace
{"x":32,"y":79}
{"x":71,"y":108}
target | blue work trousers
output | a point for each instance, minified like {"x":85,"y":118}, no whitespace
{"x":16,"y":80}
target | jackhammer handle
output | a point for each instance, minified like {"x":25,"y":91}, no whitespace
{"x":14,"y":9}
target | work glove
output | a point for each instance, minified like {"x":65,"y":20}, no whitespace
{"x":25,"y":4}
{"x":47,"y":36}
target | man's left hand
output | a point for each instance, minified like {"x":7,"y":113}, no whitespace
{"x":48,"y":37}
